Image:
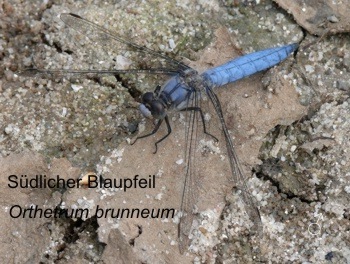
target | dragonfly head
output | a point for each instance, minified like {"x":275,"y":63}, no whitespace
{"x":151,"y":107}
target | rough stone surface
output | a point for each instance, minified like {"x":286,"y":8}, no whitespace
{"x":290,"y":127}
{"x":23,"y":240}
{"x":319,"y":17}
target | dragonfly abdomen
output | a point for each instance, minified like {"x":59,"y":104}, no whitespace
{"x":247,"y":65}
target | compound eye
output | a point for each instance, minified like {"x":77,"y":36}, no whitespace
{"x":147,"y":98}
{"x":157,"y":109}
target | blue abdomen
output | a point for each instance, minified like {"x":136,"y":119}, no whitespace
{"x":246,"y":65}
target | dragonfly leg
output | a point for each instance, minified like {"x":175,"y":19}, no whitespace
{"x":203,"y":122}
{"x":155,"y":129}
{"x":169,"y":131}
{"x":156,"y":91}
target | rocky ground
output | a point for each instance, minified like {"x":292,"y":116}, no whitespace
{"x":290,"y":127}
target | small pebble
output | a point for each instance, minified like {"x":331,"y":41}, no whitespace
{"x":85,"y":178}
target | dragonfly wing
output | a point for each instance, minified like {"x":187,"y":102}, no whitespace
{"x":101,"y":47}
{"x":119,"y":44}
{"x":192,"y":182}
{"x":237,"y":172}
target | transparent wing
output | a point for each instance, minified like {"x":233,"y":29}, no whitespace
{"x":196,"y":130}
{"x":105,"y":37}
{"x":192,"y":177}
{"x":237,"y":172}
{"x":136,"y":59}
{"x":192,"y":180}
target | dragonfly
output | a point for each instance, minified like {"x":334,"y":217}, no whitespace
{"x":184,"y":91}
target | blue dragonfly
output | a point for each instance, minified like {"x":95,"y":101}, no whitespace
{"x":183,"y":91}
